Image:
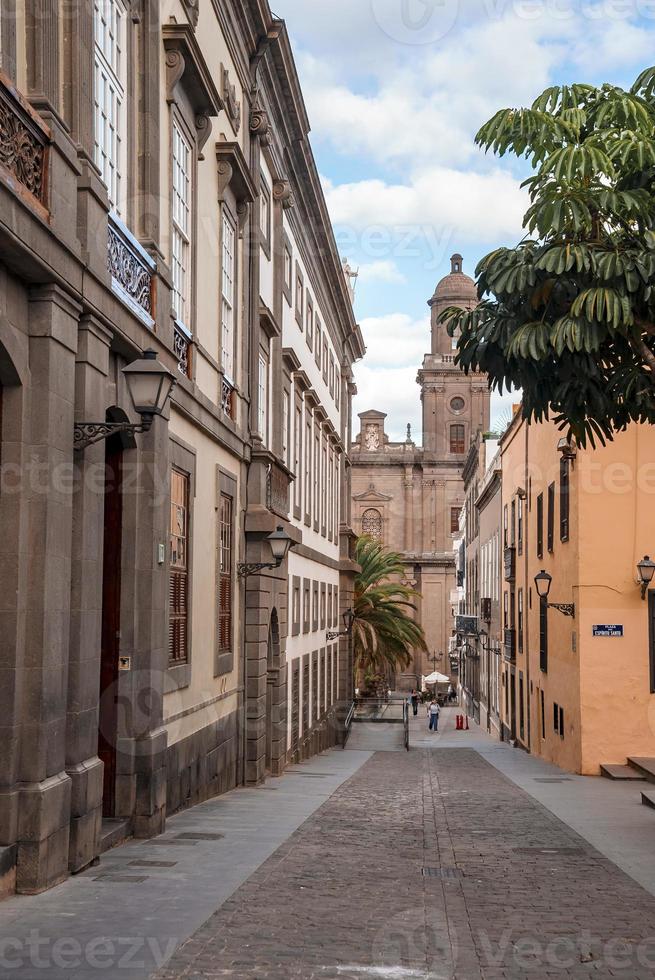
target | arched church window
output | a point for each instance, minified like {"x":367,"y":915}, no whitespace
{"x":458,"y":439}
{"x":372,"y":523}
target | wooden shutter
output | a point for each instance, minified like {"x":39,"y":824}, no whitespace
{"x":178,"y":598}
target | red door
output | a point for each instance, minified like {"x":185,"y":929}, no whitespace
{"x":111,"y":616}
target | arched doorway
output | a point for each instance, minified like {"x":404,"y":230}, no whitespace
{"x":275,"y":702}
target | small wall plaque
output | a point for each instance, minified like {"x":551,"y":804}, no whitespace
{"x":125,"y":663}
{"x":609,"y":630}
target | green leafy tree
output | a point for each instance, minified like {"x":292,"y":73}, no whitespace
{"x":568,"y":316}
{"x":384,"y":633}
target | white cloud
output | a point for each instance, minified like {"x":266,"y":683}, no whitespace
{"x":395,"y":340}
{"x":475,"y":207}
{"x":384,"y":270}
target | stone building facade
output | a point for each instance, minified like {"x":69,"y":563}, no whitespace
{"x":411,"y":496}
{"x":158,"y":190}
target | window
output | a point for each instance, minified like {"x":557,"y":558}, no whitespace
{"x":505,"y":528}
{"x":300,"y":296}
{"x":318,"y":346}
{"x":454,"y":519}
{"x":314,"y":606}
{"x":262,"y":398}
{"x":288,"y":272}
{"x":543,"y":714}
{"x":332,"y":375}
{"x":564,"y":497}
{"x":506,"y":610}
{"x":372,"y":523}
{"x":179,"y":570}
{"x":225,"y":584}
{"x":540,"y":526}
{"x":228,"y":286}
{"x":457,"y":439}
{"x":286,"y":400}
{"x":324,"y":482}
{"x":297,"y":459}
{"x":520,"y":621}
{"x":295,"y":606}
{"x":551,"y":516}
{"x":306,"y":624}
{"x":337,"y":386}
{"x":512,"y":526}
{"x":561,"y":722}
{"x":520,"y":525}
{"x":181,"y":241}
{"x":265,"y":216}
{"x":457,"y":405}
{"x":325,"y":360}
{"x":556,"y":718}
{"x":309,"y":328}
{"x":308,"y":471}
{"x":109,"y":84}
{"x":317,"y":479}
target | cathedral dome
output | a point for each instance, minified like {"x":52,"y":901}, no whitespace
{"x":456,"y":287}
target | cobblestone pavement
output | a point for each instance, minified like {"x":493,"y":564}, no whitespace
{"x":428,"y":865}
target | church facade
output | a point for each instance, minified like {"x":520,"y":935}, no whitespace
{"x":410,"y":496}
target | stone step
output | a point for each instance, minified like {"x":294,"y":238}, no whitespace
{"x":644,"y":765}
{"x":648,"y":798}
{"x":113,"y":833}
{"x":620,"y":773}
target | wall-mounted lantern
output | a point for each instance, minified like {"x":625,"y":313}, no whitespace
{"x":280,"y":543}
{"x":150,"y":385}
{"x":348,"y":621}
{"x":645,"y":570}
{"x":543,"y":582}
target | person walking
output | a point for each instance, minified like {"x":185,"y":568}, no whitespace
{"x":433,"y":714}
{"x":414,"y":700}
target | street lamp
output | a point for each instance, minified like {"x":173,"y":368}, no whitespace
{"x":646,"y":569}
{"x":150,"y":385}
{"x":348,"y":621}
{"x":280,"y":543}
{"x":543,"y":582}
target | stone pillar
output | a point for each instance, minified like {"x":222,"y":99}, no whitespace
{"x":42,"y":43}
{"x":258,"y":601}
{"x":82,"y":763}
{"x":141,"y":736}
{"x":409,"y":510}
{"x":45,"y":793}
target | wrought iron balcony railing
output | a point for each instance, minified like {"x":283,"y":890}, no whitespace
{"x":24,"y":142}
{"x":182,"y":347}
{"x":132,"y":271}
{"x":228,"y":399}
{"x":510,"y":564}
{"x":509,"y":644}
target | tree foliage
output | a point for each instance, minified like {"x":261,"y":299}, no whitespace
{"x":384,"y":633}
{"x":568,"y":316}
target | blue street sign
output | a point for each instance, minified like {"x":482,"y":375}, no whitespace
{"x":615,"y":630}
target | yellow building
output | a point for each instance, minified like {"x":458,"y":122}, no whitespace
{"x":578,"y":683}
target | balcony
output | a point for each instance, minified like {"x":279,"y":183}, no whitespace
{"x":509,"y":561}
{"x":24,"y":141}
{"x":268,"y":491}
{"x":132,"y":271}
{"x":277,"y":491}
{"x":485,"y":610}
{"x":509,"y":644}
{"x":228,"y":399}
{"x":182,"y":348}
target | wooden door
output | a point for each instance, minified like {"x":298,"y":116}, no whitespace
{"x":111,"y":617}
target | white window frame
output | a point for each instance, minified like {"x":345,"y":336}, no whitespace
{"x":228,"y":295}
{"x":109,"y":98}
{"x":262,"y":397}
{"x":286,"y":403}
{"x":182,"y":220}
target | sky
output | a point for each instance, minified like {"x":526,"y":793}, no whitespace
{"x":396,"y":90}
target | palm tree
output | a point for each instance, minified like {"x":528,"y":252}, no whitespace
{"x":384,"y":633}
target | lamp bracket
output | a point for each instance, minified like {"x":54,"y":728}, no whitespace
{"x":335,"y":635}
{"x":566,"y":608}
{"x":245,"y":568}
{"x":86,"y":433}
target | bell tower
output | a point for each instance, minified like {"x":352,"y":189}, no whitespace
{"x":455,"y":406}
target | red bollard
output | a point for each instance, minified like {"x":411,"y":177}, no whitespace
{"x":458,"y":723}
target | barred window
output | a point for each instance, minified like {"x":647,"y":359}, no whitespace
{"x":372,"y":523}
{"x":228,"y":279}
{"x":179,"y":570}
{"x":109,"y":84}
{"x":181,"y":243}
{"x":262,"y":398}
{"x":225,"y":574}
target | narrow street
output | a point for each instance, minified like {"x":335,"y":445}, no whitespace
{"x":427,"y":864}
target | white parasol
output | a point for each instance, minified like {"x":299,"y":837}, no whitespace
{"x":437,"y":678}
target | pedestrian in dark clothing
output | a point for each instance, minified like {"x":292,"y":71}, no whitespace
{"x":414,"y":700}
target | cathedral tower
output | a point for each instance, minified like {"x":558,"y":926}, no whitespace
{"x":455,"y":407}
